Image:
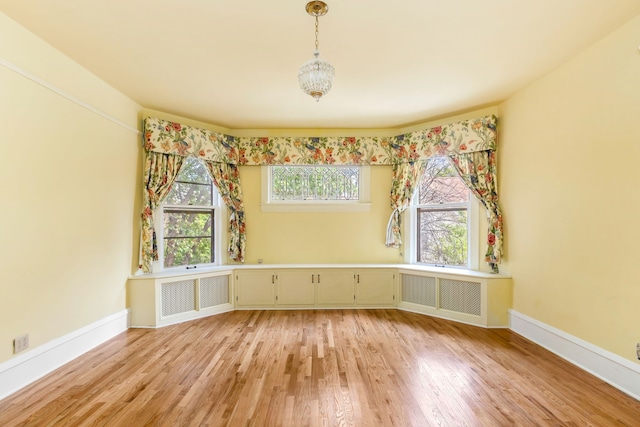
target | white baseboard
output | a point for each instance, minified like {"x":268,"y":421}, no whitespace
{"x":26,"y":368}
{"x":609,"y":367}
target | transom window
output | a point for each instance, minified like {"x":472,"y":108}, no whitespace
{"x":442,"y":203}
{"x":315,"y":188}
{"x":188,"y":218}
{"x":315,"y":183}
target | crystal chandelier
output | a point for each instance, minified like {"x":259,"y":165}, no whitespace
{"x":315,"y":76}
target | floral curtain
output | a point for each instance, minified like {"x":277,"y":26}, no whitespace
{"x":163,"y":136}
{"x":478,"y":171}
{"x":403,"y":183}
{"x":460,"y":137}
{"x":227,"y":179}
{"x":159,"y":173}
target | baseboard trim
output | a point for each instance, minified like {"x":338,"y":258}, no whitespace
{"x":26,"y":368}
{"x":609,"y":367}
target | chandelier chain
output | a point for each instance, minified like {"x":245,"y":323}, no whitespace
{"x":317,"y":33}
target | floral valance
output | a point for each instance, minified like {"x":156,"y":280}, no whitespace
{"x":466,"y":136}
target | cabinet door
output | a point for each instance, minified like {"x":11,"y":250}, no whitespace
{"x":255,"y":288}
{"x":296,"y":287}
{"x":375,"y":287}
{"x":335,"y":287}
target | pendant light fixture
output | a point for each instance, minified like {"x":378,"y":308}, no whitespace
{"x":315,"y":76}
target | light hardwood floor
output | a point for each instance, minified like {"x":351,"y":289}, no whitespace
{"x":319,"y":368}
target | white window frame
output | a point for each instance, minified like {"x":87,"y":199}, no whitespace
{"x":363,"y":204}
{"x":219,"y":210}
{"x":473,"y":219}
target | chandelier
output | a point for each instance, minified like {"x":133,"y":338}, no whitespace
{"x":315,"y":76}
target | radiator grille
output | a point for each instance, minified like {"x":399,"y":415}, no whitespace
{"x":178,"y":297}
{"x":461,"y":296}
{"x":419,"y":290}
{"x":214,"y":291}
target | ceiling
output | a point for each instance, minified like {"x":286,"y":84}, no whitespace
{"x":234,"y":63}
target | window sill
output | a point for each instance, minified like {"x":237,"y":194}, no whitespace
{"x":229,"y":268}
{"x":182,"y":272}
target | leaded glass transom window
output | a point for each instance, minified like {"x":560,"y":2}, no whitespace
{"x":316,"y":183}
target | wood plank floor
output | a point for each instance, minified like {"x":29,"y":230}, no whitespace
{"x":319,"y":368}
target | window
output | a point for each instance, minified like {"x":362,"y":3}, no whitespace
{"x":315,"y":188}
{"x":187,"y":218}
{"x":442,"y":216}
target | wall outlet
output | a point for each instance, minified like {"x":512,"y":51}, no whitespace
{"x":638,"y":350}
{"x":21,"y":343}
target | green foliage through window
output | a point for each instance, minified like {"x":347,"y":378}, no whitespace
{"x":188,"y":217}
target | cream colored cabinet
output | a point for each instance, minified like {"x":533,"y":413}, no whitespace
{"x":476,"y":298}
{"x":335,"y":287}
{"x":255,"y":288}
{"x":375,"y":287}
{"x":164,"y":300}
{"x":296,"y":287}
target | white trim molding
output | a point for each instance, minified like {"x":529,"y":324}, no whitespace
{"x":609,"y":367}
{"x":13,"y":67}
{"x":26,"y":368}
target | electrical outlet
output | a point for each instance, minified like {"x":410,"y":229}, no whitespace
{"x":21,"y":343}
{"x":638,"y":350}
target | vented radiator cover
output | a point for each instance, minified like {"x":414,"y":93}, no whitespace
{"x":214,"y":291}
{"x":177,"y":297}
{"x":162,"y":301}
{"x":445,"y":297}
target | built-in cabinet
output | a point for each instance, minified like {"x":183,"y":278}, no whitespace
{"x":466,"y":296}
{"x":296,"y":288}
{"x":164,"y":300}
{"x":315,"y":288}
{"x":375,"y":287}
{"x":255,"y":288}
{"x":335,"y":288}
{"x":477,"y":298}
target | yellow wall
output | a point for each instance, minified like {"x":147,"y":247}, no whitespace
{"x":319,"y":237}
{"x":69,"y":185}
{"x":569,"y":176}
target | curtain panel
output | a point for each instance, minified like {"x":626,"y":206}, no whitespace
{"x":466,"y":136}
{"x":403,"y":184}
{"x":478,"y":171}
{"x":227,"y":179}
{"x":160,"y":171}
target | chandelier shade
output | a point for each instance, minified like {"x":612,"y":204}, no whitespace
{"x":316,"y":75}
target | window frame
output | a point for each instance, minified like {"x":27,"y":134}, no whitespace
{"x":363,"y":204}
{"x":473,"y":236}
{"x":216,"y":209}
